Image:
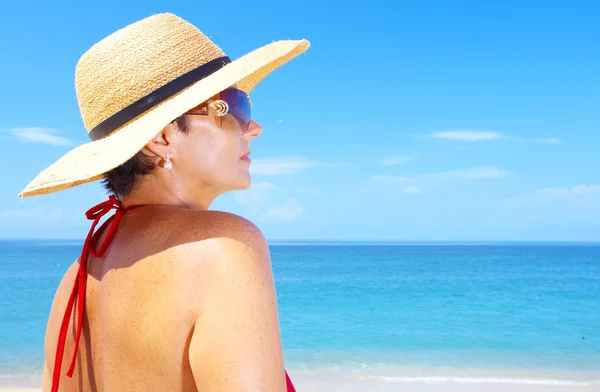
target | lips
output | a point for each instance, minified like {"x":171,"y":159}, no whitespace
{"x":246,"y":157}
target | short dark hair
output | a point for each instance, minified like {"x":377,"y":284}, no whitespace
{"x":121,"y":180}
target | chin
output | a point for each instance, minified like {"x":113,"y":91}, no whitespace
{"x":246,"y":183}
{"x":242,"y":182}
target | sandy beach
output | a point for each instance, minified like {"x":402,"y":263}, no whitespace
{"x":308,"y":386}
{"x":411,"y":379}
{"x":448,"y":380}
{"x":444,"y":385}
{"x":15,"y":389}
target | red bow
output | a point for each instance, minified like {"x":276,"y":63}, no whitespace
{"x":89,"y":247}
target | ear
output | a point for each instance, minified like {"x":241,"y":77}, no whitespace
{"x":162,"y":143}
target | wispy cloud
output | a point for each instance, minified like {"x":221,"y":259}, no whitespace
{"x":397,"y":160}
{"x":579,"y":200}
{"x":407,"y":184}
{"x":576,"y":191}
{"x":285,"y":165}
{"x":472,"y":173}
{"x":413,"y":189}
{"x":33,"y":213}
{"x":548,"y":140}
{"x":256,"y":193}
{"x":576,"y":209}
{"x":39,"y":135}
{"x":397,"y":181}
{"x":467,"y":135}
{"x":390,"y":179}
{"x":551,"y":140}
{"x":285,"y":213}
{"x":479,"y":136}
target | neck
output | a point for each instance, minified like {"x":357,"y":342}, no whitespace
{"x":152,"y":190}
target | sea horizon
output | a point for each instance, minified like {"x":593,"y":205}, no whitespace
{"x":366,"y":242}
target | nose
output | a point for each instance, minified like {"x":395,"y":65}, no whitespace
{"x":254,"y":130}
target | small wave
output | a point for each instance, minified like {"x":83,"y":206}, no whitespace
{"x":489,"y":380}
{"x":20,"y":381}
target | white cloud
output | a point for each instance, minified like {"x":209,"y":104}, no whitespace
{"x":390,"y":179}
{"x":284,"y":165}
{"x":551,"y":140}
{"x":403,"y":183}
{"x":472,"y":173}
{"x":413,"y":189}
{"x":477,"y":136}
{"x":561,"y":213}
{"x":398,"y":160}
{"x":55,"y":214}
{"x":33,"y":213}
{"x":467,"y":135}
{"x":286,"y":213}
{"x":548,"y":140}
{"x":580,"y":202}
{"x":39,"y":135}
{"x":256,"y":193}
{"x":575,"y":191}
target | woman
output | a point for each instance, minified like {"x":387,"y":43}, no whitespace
{"x":167,"y":296}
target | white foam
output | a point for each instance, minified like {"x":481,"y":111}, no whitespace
{"x":486,"y":380}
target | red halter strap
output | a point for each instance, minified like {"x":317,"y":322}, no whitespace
{"x":89,"y":247}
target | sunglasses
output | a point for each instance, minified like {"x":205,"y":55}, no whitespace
{"x":231,"y":101}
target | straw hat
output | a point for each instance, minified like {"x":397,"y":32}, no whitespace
{"x":134,"y":82}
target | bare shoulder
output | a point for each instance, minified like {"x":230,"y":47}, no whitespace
{"x":236,"y":343}
{"x":219,"y":234}
{"x":234,"y":225}
{"x":216,"y":247}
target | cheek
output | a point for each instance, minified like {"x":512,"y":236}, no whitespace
{"x":212,"y":154}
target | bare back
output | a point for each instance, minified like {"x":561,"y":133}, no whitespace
{"x":148,"y":298}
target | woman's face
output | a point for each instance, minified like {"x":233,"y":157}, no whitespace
{"x":213,"y":155}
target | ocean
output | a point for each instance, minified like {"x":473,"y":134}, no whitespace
{"x":393,"y":312}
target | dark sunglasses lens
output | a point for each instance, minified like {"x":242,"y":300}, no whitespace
{"x":239,"y":106}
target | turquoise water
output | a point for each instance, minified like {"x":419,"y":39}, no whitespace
{"x":354,"y":305}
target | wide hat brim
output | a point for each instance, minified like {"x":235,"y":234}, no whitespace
{"x":89,"y":162}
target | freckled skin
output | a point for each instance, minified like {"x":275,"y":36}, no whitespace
{"x":184,"y":298}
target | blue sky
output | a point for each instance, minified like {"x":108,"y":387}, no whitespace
{"x":407,"y":120}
